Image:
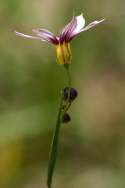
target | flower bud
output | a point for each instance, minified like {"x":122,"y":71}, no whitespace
{"x":65,"y":118}
{"x":71,"y":93}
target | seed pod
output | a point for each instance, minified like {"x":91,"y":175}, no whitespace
{"x":65,"y":118}
{"x":71,"y":93}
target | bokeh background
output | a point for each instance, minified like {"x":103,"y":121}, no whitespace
{"x":92,"y":146}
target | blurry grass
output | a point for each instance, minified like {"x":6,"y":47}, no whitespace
{"x":22,"y":123}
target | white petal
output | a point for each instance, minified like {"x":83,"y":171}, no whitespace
{"x":25,"y":36}
{"x":80,"y":23}
{"x":89,"y":26}
{"x":92,"y":24}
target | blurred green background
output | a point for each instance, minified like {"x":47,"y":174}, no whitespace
{"x":92,"y":146}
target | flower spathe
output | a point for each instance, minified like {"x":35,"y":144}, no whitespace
{"x":62,"y":41}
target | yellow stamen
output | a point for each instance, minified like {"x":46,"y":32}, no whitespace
{"x":63,"y":53}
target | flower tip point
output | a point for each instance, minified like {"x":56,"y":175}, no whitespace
{"x":81,"y":15}
{"x":102,"y":20}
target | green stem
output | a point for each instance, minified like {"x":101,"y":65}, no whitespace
{"x":68,"y":74}
{"x":54,"y":147}
{"x":55,"y":140}
{"x":67,"y":105}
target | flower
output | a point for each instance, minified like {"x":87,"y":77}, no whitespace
{"x":62,"y":41}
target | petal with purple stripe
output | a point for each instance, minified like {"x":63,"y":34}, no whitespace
{"x":77,"y":23}
{"x":67,"y":30}
{"x":80,"y":23}
{"x":46,"y":35}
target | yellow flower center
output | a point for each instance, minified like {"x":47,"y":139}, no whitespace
{"x":63,"y":53}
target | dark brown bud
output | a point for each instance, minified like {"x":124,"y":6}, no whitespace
{"x":65,"y":118}
{"x":71,"y":93}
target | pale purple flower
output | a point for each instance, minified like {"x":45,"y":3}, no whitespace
{"x":71,"y":30}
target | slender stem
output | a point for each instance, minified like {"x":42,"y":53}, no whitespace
{"x":68,"y":75}
{"x":54,"y":147}
{"x":67,"y":105}
{"x":55,"y":140}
